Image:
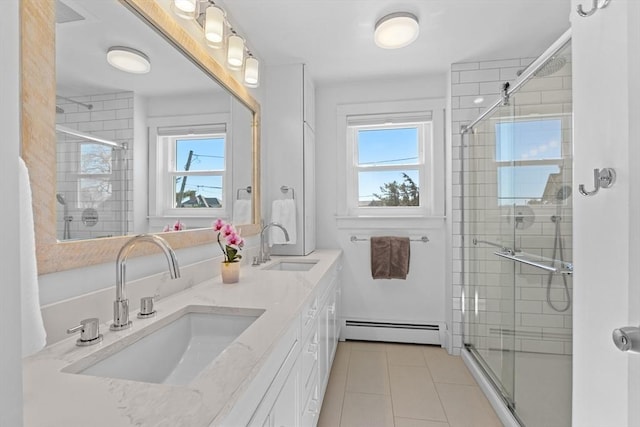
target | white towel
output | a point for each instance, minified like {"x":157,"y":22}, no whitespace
{"x":34,"y":336}
{"x":242,"y":212}
{"x":284,"y":213}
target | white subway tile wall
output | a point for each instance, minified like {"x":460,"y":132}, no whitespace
{"x":111,"y":118}
{"x":535,"y":326}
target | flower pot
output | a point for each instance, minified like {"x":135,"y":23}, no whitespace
{"x":230,"y":272}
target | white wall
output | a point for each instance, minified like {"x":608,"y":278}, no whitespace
{"x":606,"y":382}
{"x":10,"y":333}
{"x":379,"y":300}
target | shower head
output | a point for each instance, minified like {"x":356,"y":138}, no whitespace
{"x":552,"y":66}
{"x":563,"y":193}
{"x":59,"y":110}
{"x":61,"y":199}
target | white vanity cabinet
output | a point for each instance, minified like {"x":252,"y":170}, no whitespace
{"x":296,"y":390}
{"x":289,"y":140}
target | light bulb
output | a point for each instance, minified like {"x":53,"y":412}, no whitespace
{"x":251,"y":72}
{"x":235,"y":52}
{"x":214,"y":27}
{"x":185,"y":8}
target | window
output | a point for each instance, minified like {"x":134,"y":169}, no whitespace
{"x":529,"y":160}
{"x":94,"y":178}
{"x":388,"y":167}
{"x":389,"y":159}
{"x":190,"y":175}
{"x":197,"y":171}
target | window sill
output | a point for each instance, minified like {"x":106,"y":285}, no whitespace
{"x":397,"y":222}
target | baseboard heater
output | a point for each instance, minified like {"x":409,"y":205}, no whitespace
{"x":422,"y":333}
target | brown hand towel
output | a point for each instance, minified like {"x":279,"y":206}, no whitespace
{"x":380,"y":257}
{"x":389,"y":257}
{"x":400,"y":251}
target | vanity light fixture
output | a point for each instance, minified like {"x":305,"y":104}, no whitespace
{"x":396,"y":30}
{"x":213,"y":21}
{"x":235,"y":51}
{"x":251,"y":71}
{"x":185,"y":8}
{"x":214,"y":26}
{"x":128,"y":59}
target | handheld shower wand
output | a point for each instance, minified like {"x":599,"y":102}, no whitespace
{"x":66,"y":234}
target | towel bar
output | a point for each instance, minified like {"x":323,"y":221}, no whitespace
{"x":423,"y":239}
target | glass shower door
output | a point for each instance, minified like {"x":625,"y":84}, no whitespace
{"x":489,"y":294}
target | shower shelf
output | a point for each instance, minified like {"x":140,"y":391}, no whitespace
{"x":524,"y":258}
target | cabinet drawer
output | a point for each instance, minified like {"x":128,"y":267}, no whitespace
{"x":308,"y":357}
{"x":308,"y":316}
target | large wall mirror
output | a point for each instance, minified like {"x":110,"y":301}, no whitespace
{"x":113,"y":153}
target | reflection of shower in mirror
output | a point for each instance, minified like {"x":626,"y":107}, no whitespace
{"x":66,"y":234}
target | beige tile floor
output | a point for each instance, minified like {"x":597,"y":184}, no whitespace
{"x":402,"y":385}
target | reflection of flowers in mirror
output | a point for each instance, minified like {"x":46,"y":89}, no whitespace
{"x":233,"y":242}
{"x":178,"y":226}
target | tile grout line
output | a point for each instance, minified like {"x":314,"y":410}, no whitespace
{"x":393,"y":413}
{"x":426,"y":361}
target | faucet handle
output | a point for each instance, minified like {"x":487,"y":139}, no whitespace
{"x":146,"y":307}
{"x":89,"y":332}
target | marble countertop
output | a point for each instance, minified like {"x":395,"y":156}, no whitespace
{"x":55,"y":398}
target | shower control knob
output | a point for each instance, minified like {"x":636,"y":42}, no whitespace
{"x":627,"y":339}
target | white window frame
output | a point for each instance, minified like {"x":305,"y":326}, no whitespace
{"x":162,"y":169}
{"x":424,"y":130}
{"x":432,"y":179}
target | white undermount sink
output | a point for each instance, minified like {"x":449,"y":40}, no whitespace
{"x":292,"y":265}
{"x":172,"y":351}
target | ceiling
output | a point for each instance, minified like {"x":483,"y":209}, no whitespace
{"x":335,"y":37}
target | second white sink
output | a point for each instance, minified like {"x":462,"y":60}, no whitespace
{"x":174,"y":352}
{"x":290,"y":265}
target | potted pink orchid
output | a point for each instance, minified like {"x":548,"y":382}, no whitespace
{"x":230,"y":246}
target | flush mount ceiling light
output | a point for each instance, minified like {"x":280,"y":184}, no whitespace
{"x":396,"y":30}
{"x":128,"y":59}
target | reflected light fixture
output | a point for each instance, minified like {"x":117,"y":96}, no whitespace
{"x":235,"y":51}
{"x":478,"y":100}
{"x":396,"y":30}
{"x":214,"y":26}
{"x":128,"y":59}
{"x":251,"y":71}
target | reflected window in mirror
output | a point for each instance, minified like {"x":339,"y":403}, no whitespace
{"x":191,"y":180}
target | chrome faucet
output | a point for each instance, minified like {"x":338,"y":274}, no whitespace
{"x":121,"y":304}
{"x":264,"y":254}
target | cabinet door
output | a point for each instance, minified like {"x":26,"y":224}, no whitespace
{"x":285,"y":410}
{"x":323,"y":351}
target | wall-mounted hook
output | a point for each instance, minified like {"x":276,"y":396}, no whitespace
{"x":602,"y":178}
{"x":595,"y":5}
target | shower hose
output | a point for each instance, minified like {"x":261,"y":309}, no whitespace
{"x":557,"y":247}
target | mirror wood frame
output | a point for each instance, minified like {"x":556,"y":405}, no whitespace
{"x":38,"y":97}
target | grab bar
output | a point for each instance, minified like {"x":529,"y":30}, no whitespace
{"x":567,"y":267}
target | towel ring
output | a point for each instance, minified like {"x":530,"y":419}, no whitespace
{"x":248,"y":190}
{"x":285,"y":189}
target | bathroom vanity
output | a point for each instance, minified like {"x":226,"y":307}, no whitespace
{"x":273,"y":371}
